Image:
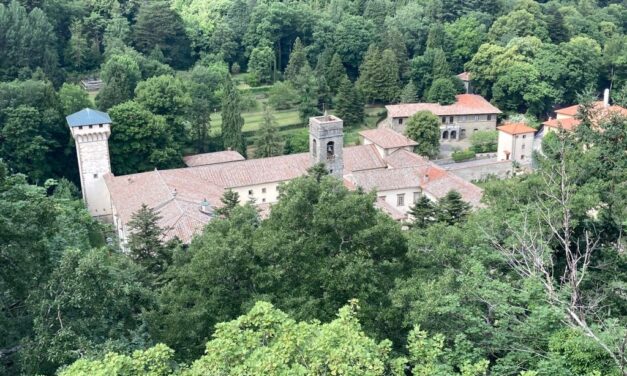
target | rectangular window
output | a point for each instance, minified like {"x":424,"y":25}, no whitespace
{"x":522,"y":157}
{"x":90,"y":127}
{"x":263,"y":200}
{"x":80,"y":127}
{"x":250,"y":192}
{"x":400,"y":200}
{"x":263,"y":190}
{"x":400,"y":120}
{"x":523,"y":146}
{"x":450,"y":119}
{"x":443,"y":119}
{"x":476,"y":117}
{"x":489,"y":117}
{"x":95,"y":176}
{"x":524,"y":136}
{"x":99,"y":125}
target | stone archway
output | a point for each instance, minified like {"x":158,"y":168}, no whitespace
{"x":445,"y":135}
{"x":454,"y":135}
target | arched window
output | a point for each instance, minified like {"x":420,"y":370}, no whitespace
{"x":445,"y":135}
{"x":453,"y":134}
{"x":330,"y":150}
{"x":314,"y":147}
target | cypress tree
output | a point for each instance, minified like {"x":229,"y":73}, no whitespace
{"x":230,"y":200}
{"x":232,"y":120}
{"x":297,"y":62}
{"x":378,"y":78}
{"x":145,"y":240}
{"x":268,"y":143}
{"x":348,"y":103}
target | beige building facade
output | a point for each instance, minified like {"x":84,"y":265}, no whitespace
{"x":515,"y":142}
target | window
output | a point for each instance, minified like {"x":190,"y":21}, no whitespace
{"x":522,"y":157}
{"x":443,"y":119}
{"x":250,"y":192}
{"x":450,"y":119}
{"x":90,"y":127}
{"x":382,"y":198}
{"x":263,"y":190}
{"x":263,"y":200}
{"x":95,"y":176}
{"x":330,"y":150}
{"x":400,"y":199}
{"x":99,"y":125}
{"x":314,"y":147}
{"x":476,"y":117}
{"x":523,"y":146}
{"x":80,"y":127}
{"x":416,"y":197}
{"x":463,"y":118}
{"x":476,"y":129}
{"x":524,"y":136}
{"x":400,"y":120}
{"x":489,"y":117}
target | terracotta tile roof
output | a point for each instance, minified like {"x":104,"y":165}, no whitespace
{"x":516,"y":128}
{"x":362,"y":157}
{"x":464,"y":76}
{"x":390,"y":210}
{"x":465,"y":104}
{"x":569,"y":111}
{"x":568,"y":124}
{"x":387,"y":138}
{"x":403,"y":158}
{"x":212,"y":158}
{"x":439,"y":187}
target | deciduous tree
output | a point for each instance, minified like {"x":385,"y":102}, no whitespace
{"x":424,"y":128}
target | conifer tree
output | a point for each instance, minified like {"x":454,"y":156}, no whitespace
{"x":268,"y":143}
{"x":423,"y":211}
{"x":230,"y":200}
{"x":145,"y":240}
{"x":335,"y":73}
{"x":451,"y":209}
{"x":307,"y":88}
{"x":298,"y":60}
{"x":232,"y":120}
{"x":408,"y":95}
{"x":77,"y":51}
{"x":378,"y":76}
{"x":348,"y":104}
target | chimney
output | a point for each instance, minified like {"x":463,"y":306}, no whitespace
{"x":204,"y":206}
{"x":606,"y":98}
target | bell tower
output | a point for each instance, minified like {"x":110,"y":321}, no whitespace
{"x":326,"y":141}
{"x":90,"y":130}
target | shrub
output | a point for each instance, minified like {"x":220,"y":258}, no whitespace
{"x":235,"y":68}
{"x":463,"y":155}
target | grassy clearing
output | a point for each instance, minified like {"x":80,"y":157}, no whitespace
{"x":253,"y":120}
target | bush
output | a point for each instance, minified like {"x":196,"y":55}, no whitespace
{"x":235,"y":68}
{"x":484,"y":141}
{"x":463,"y":155}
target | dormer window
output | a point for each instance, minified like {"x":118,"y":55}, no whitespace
{"x":330,"y":150}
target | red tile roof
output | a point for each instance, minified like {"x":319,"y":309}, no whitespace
{"x":403,"y":158}
{"x":390,"y":210}
{"x":516,"y":128}
{"x":387,"y":138}
{"x":465,"y":104}
{"x":212,"y":158}
{"x":568,"y":124}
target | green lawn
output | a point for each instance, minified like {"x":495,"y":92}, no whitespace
{"x":253,"y":120}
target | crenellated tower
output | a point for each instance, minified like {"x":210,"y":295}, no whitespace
{"x":90,"y":130}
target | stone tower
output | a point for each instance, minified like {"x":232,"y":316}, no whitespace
{"x":326,"y":141}
{"x":91,"y":130}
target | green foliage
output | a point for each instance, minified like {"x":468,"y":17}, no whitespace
{"x":145,"y":241}
{"x":269,"y":142}
{"x":282,"y":96}
{"x":158,"y":26}
{"x":73,"y":98}
{"x":442,"y":91}
{"x":463,"y":155}
{"x":408,"y":94}
{"x":230,"y":200}
{"x":348,"y":104}
{"x":261,"y":66}
{"x":378,"y":76}
{"x":120,"y":74}
{"x":424,"y":128}
{"x":484,"y":141}
{"x":232,"y":120}
{"x":298,"y":60}
{"x":452,"y":208}
{"x":307,"y":91}
{"x":142,"y":141}
{"x":90,"y":298}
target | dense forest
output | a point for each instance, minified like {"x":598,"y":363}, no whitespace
{"x":533,"y":283}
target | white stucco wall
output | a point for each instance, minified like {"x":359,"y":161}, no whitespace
{"x":392,"y":195}
{"x":269,"y":196}
{"x":520,"y":147}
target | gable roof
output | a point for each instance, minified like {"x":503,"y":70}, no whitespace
{"x":516,"y":128}
{"x":212,"y":158}
{"x":571,"y":121}
{"x":87,"y":116}
{"x":568,"y":124}
{"x":402,"y":158}
{"x":387,"y":138}
{"x":465,"y":104}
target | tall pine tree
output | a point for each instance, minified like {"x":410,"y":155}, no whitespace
{"x":298,"y":60}
{"x":268,"y":143}
{"x":232,"y":120}
{"x":145,"y":241}
{"x":335,"y":73}
{"x":378,"y":76}
{"x":348,"y":104}
{"x":423,"y":211}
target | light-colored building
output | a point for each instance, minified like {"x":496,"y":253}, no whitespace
{"x":464,"y":77}
{"x":567,"y":120}
{"x":515,"y":142}
{"x":186,"y":198}
{"x":470,"y":113}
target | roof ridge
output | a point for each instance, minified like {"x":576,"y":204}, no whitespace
{"x":172,"y":195}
